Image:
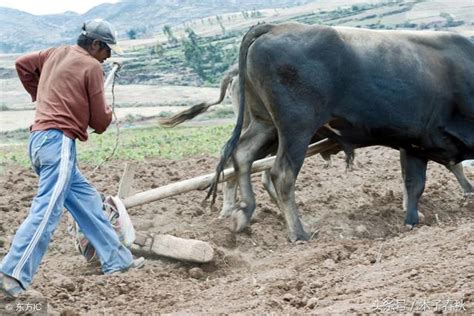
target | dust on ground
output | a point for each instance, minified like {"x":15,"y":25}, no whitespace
{"x":361,"y":259}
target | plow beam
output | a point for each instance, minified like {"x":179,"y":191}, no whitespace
{"x":203,"y":182}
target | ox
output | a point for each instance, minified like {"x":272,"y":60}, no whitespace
{"x":411,"y":91}
{"x":230,"y":82}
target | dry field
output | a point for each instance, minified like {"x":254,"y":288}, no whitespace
{"x":360,"y":259}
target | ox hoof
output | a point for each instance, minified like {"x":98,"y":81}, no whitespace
{"x":225,"y":213}
{"x":414,"y":219}
{"x":239,"y":221}
{"x":302,"y":235}
{"x":228,"y":210}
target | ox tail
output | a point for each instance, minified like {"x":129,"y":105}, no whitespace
{"x":197,"y":109}
{"x":255,"y":32}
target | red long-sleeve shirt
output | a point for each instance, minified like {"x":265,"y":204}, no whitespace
{"x":68,"y":85}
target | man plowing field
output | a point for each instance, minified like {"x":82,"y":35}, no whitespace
{"x":67,"y":84}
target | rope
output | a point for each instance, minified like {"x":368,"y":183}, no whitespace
{"x":117,"y":134}
{"x":81,"y":243}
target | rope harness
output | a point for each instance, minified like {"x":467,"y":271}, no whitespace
{"x":117,"y":123}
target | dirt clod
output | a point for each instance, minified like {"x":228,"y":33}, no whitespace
{"x":196,"y":273}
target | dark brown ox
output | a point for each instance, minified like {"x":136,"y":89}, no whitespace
{"x":230,"y":83}
{"x":412,"y":91}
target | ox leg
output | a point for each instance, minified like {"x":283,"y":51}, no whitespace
{"x":230,"y":197}
{"x":458,"y":172}
{"x":289,"y":160}
{"x":414,"y":177}
{"x":268,"y":185}
{"x":253,"y":144}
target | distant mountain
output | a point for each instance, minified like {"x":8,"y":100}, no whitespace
{"x":22,"y":31}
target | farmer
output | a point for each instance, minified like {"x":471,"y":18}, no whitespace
{"x":67,"y":84}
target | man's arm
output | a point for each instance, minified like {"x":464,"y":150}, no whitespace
{"x":29,"y":69}
{"x":100,"y":112}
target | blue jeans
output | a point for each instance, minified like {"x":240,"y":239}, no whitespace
{"x":61,"y":184}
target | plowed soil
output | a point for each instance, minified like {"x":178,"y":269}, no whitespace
{"x":361,"y":258}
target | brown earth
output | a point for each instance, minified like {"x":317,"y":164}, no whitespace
{"x":361,"y":258}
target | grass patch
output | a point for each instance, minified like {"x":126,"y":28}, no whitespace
{"x":137,"y":144}
{"x":4,"y":107}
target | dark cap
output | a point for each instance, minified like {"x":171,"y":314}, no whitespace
{"x":103,"y":31}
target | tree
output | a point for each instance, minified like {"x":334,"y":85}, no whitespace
{"x":193,"y":52}
{"x":169,"y":34}
{"x":132,"y":34}
{"x":449,"y":18}
{"x":157,"y":50}
{"x":255,"y":14}
{"x":206,"y":59}
{"x":221,"y":24}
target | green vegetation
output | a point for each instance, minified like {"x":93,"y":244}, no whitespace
{"x":194,"y":60}
{"x":198,"y":60}
{"x":207,"y":58}
{"x":132,"y":34}
{"x":169,"y":34}
{"x":450,"y":21}
{"x":251,"y":14}
{"x":201,"y":60}
{"x":137,"y":144}
{"x":4,"y":107}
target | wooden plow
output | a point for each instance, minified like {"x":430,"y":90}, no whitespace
{"x":198,"y":183}
{"x":179,"y":248}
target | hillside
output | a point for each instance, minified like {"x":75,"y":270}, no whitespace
{"x":22,"y":31}
{"x":157,"y":60}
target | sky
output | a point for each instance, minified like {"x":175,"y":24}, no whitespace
{"x":41,"y":7}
